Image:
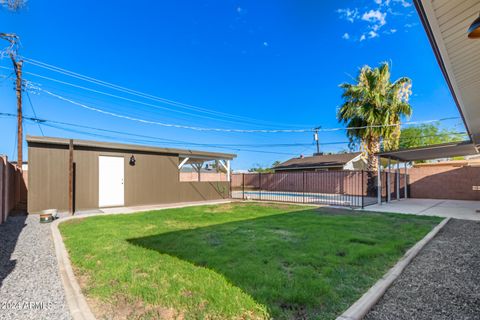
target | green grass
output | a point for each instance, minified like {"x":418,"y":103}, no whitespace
{"x":241,"y":260}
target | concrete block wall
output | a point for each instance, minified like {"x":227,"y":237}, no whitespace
{"x":445,"y":182}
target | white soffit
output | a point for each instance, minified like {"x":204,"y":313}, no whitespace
{"x":446,"y":23}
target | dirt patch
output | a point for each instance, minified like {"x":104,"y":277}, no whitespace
{"x":73,"y":221}
{"x":122,"y":308}
{"x":296,"y":311}
{"x":125,"y":309}
{"x":222,"y":208}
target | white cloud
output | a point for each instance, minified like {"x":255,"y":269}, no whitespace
{"x":348,"y":14}
{"x":375,"y":16}
{"x":372,"y":34}
{"x":404,"y":3}
{"x":265,"y":44}
{"x":372,"y":18}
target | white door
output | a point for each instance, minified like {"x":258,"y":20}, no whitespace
{"x":110,"y":181}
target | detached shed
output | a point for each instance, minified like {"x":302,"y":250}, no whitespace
{"x":100,"y":174}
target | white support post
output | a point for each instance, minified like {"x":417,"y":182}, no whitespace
{"x":406,"y":181}
{"x":379,"y":181}
{"x":180,"y":166}
{"x":398,"y":180}
{"x":228,"y":171}
{"x":226,"y":165}
{"x":389,"y":191}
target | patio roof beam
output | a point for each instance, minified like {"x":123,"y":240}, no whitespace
{"x":184,"y":161}
{"x":444,"y":150}
{"x":200,"y":157}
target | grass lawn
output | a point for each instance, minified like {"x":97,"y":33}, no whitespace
{"x":236,"y":261}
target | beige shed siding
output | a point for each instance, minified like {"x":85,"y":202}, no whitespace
{"x":153,"y":180}
{"x":48,"y":184}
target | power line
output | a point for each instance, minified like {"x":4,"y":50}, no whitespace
{"x":142,"y":94}
{"x":155,"y":140}
{"x":210,"y":129}
{"x":145,"y":138}
{"x":171,"y":125}
{"x":243,"y":122}
{"x":33,"y":110}
{"x":136,"y":101}
{"x":179,"y":126}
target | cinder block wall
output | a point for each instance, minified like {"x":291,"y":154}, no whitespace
{"x":444,"y":182}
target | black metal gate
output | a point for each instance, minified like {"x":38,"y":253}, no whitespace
{"x":338,"y":188}
{"x":355,"y":189}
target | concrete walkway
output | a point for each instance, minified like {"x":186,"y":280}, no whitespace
{"x":458,"y":209}
{"x":134,"y":209}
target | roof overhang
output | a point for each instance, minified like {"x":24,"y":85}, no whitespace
{"x":446,"y":23}
{"x":88,"y":144}
{"x":445,"y":150}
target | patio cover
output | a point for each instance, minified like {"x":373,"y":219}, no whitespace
{"x":446,"y":23}
{"x":444,"y":150}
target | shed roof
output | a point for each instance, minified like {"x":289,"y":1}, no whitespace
{"x":444,"y":150}
{"x":32,"y":140}
{"x":320,"y":161}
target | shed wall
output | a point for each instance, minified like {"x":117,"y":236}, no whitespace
{"x":154,"y":179}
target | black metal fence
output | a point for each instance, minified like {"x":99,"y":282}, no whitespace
{"x":337,"y":188}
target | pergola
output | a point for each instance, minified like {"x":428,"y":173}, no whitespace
{"x":444,"y":150}
{"x":197,"y":161}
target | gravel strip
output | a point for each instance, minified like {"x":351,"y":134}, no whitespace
{"x":30,"y":286}
{"x":442,"y":282}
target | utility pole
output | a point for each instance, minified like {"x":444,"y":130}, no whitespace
{"x":315,"y":137}
{"x":18,"y":72}
{"x":17,"y":66}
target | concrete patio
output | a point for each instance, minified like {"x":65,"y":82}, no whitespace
{"x":458,"y":209}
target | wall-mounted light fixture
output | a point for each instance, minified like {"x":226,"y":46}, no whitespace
{"x":132,"y":160}
{"x":474,"y":30}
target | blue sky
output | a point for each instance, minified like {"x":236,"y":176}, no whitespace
{"x":277,"y":63}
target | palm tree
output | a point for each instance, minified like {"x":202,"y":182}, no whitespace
{"x":373,"y":108}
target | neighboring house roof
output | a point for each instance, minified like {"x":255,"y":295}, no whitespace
{"x":322,"y":161}
{"x":128,"y":147}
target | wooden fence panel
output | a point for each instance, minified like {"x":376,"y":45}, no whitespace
{"x":13,"y":188}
